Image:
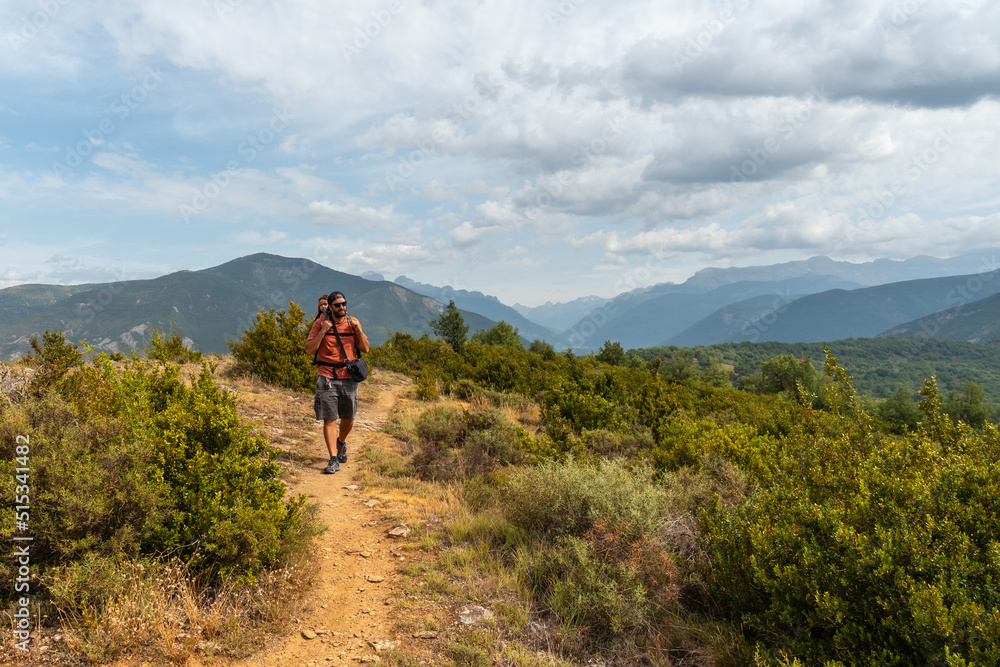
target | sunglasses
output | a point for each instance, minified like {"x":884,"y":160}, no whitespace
{"x":337,"y":304}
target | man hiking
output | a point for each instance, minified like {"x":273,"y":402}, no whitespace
{"x":336,"y":393}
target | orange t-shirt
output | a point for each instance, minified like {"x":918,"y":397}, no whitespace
{"x":329,"y":350}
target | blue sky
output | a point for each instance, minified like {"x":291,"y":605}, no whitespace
{"x":535,"y":151}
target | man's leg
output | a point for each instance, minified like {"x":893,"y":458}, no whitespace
{"x":326,"y":411}
{"x":330,"y":435}
{"x":345,"y":427}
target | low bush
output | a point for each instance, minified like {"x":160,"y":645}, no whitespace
{"x":454,"y":444}
{"x":868,"y":550}
{"x":52,"y":359}
{"x":128,"y":461}
{"x":274,"y":347}
{"x":169,"y":347}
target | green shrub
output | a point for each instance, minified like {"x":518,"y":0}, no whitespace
{"x":440,"y":431}
{"x":607,"y":597}
{"x":453,"y":444}
{"x":131,"y":462}
{"x":500,"y":334}
{"x":568,"y":498}
{"x":464,"y":389}
{"x":275,"y":348}
{"x":53,"y":358}
{"x":165,"y":348}
{"x":427,"y":385}
{"x":867,"y":550}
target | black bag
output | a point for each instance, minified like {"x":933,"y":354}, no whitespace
{"x":358,"y":370}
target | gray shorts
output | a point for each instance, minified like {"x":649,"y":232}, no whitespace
{"x":335,"y":399}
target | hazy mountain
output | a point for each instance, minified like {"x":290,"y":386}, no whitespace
{"x":975,"y":322}
{"x":867,"y":312}
{"x":732,"y":319}
{"x":560,"y":316}
{"x":214,"y":305}
{"x":488,"y":306}
{"x":878,"y":272}
{"x":652,"y":317}
{"x":24,"y":300}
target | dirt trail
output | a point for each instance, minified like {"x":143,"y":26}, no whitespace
{"x":347,"y":615}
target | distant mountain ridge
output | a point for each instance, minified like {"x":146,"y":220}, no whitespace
{"x":477,"y":302}
{"x":877,"y":272}
{"x":212,"y":306}
{"x":661,"y":314}
{"x":652,"y":317}
{"x":561,"y":316}
{"x":866,"y":312}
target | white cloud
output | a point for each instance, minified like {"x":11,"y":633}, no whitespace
{"x":452,"y":133}
{"x":338,"y":215}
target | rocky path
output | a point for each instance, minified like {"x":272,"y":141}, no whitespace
{"x":347,"y":617}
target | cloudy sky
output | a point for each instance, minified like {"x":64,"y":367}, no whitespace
{"x":534,"y":150}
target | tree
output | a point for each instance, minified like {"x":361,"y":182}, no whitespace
{"x":612,"y":353}
{"x":784,"y":373}
{"x":681,"y":367}
{"x":450,"y":327}
{"x":501,"y":334}
{"x":543,"y":348}
{"x":968,"y":405}
{"x":900,"y":411}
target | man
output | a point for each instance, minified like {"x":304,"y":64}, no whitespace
{"x":336,"y":393}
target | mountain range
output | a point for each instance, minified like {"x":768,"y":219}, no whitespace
{"x":812,"y":300}
{"x":721,"y":305}
{"x":208,"y":307}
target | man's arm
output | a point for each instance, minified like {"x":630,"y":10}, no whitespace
{"x":362,"y":341}
{"x":315,"y":339}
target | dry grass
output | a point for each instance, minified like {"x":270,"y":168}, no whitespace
{"x":161,"y":613}
{"x":14,"y":381}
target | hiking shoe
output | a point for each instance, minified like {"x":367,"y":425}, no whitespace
{"x":332,"y":467}
{"x":342,"y":451}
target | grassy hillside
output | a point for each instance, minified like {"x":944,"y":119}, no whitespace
{"x":976,"y":322}
{"x":23,"y":301}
